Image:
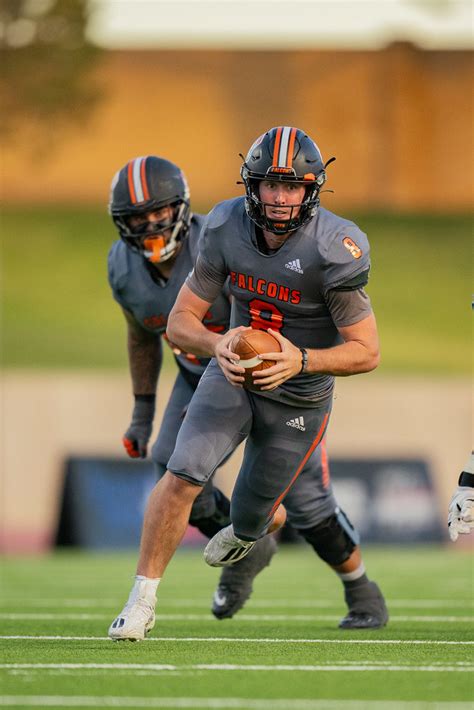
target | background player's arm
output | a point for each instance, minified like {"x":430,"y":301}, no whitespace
{"x":145,"y":358}
{"x":186,"y":329}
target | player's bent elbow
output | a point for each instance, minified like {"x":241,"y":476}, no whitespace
{"x":172,"y":328}
{"x":369,"y":361}
{"x":170,"y":332}
{"x":373,"y":361}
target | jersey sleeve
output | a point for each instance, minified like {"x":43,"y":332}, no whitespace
{"x":347,"y":257}
{"x":205,"y":281}
{"x":114,"y":273}
{"x":207,"y":278}
{"x":348,"y":307}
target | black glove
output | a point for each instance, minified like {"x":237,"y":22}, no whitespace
{"x":136,"y":437}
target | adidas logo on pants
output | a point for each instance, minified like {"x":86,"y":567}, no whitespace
{"x":297,"y":423}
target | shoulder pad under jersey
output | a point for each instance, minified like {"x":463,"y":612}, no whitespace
{"x":344,"y":249}
{"x":223,"y":211}
{"x":194,"y":235}
{"x":118,"y":264}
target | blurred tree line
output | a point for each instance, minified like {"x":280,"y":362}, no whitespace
{"x":46,"y":62}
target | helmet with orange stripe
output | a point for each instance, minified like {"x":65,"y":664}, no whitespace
{"x":283,"y":154}
{"x":149,"y":203}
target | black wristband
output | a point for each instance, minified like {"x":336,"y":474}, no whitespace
{"x":466,"y":479}
{"x":304,"y":360}
{"x":151,"y":398}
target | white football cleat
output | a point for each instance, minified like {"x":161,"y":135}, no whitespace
{"x":137,"y":617}
{"x":461,"y":512}
{"x":226,"y":549}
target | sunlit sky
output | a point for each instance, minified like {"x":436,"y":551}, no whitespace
{"x":278,"y":24}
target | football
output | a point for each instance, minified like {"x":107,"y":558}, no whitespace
{"x":248,"y":345}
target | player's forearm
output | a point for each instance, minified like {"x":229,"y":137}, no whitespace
{"x":350,"y":358}
{"x":188,"y":332}
{"x":144,"y":357}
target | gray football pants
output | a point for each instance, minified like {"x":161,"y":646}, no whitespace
{"x":282,"y":458}
{"x":173,"y":416}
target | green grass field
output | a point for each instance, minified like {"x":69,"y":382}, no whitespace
{"x":58,"y":310}
{"x":283,"y":651}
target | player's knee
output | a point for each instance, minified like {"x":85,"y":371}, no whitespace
{"x":333,"y":539}
{"x":180,"y":487}
{"x":185,"y":465}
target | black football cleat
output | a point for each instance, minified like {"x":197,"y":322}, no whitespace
{"x":236,"y":582}
{"x":367,"y":609}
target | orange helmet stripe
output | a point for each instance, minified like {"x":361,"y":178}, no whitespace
{"x":276,"y":149}
{"x":291,"y":146}
{"x":131,"y":187}
{"x":146,"y":194}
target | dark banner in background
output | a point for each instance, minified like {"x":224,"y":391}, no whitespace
{"x":388,"y":500}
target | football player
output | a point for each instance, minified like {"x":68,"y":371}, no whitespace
{"x":150,"y":206}
{"x":461,"y":507}
{"x":299,"y":271}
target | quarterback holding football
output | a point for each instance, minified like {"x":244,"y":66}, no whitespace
{"x":298,"y":271}
{"x":147,"y":265}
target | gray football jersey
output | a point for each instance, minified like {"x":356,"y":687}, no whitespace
{"x":286,"y":290}
{"x":150,"y":302}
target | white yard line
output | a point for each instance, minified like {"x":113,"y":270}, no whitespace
{"x":157,"y":667}
{"x":40,"y":616}
{"x":223,"y":703}
{"x":255,"y":603}
{"x":225,"y":639}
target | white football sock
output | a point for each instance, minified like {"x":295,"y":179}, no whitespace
{"x":145,"y":588}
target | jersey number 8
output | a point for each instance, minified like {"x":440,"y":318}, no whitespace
{"x":265,"y":315}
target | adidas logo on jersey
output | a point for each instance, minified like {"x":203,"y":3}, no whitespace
{"x":297,"y":423}
{"x":294,"y":266}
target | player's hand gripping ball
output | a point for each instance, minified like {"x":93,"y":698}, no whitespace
{"x":248,"y":345}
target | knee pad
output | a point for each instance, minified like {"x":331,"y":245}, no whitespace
{"x":210,"y":514}
{"x":333,"y":539}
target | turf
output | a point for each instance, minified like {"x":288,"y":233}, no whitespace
{"x":58,"y":310}
{"x":282,"y":652}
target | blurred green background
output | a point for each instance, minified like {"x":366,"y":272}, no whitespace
{"x":58,"y":309}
